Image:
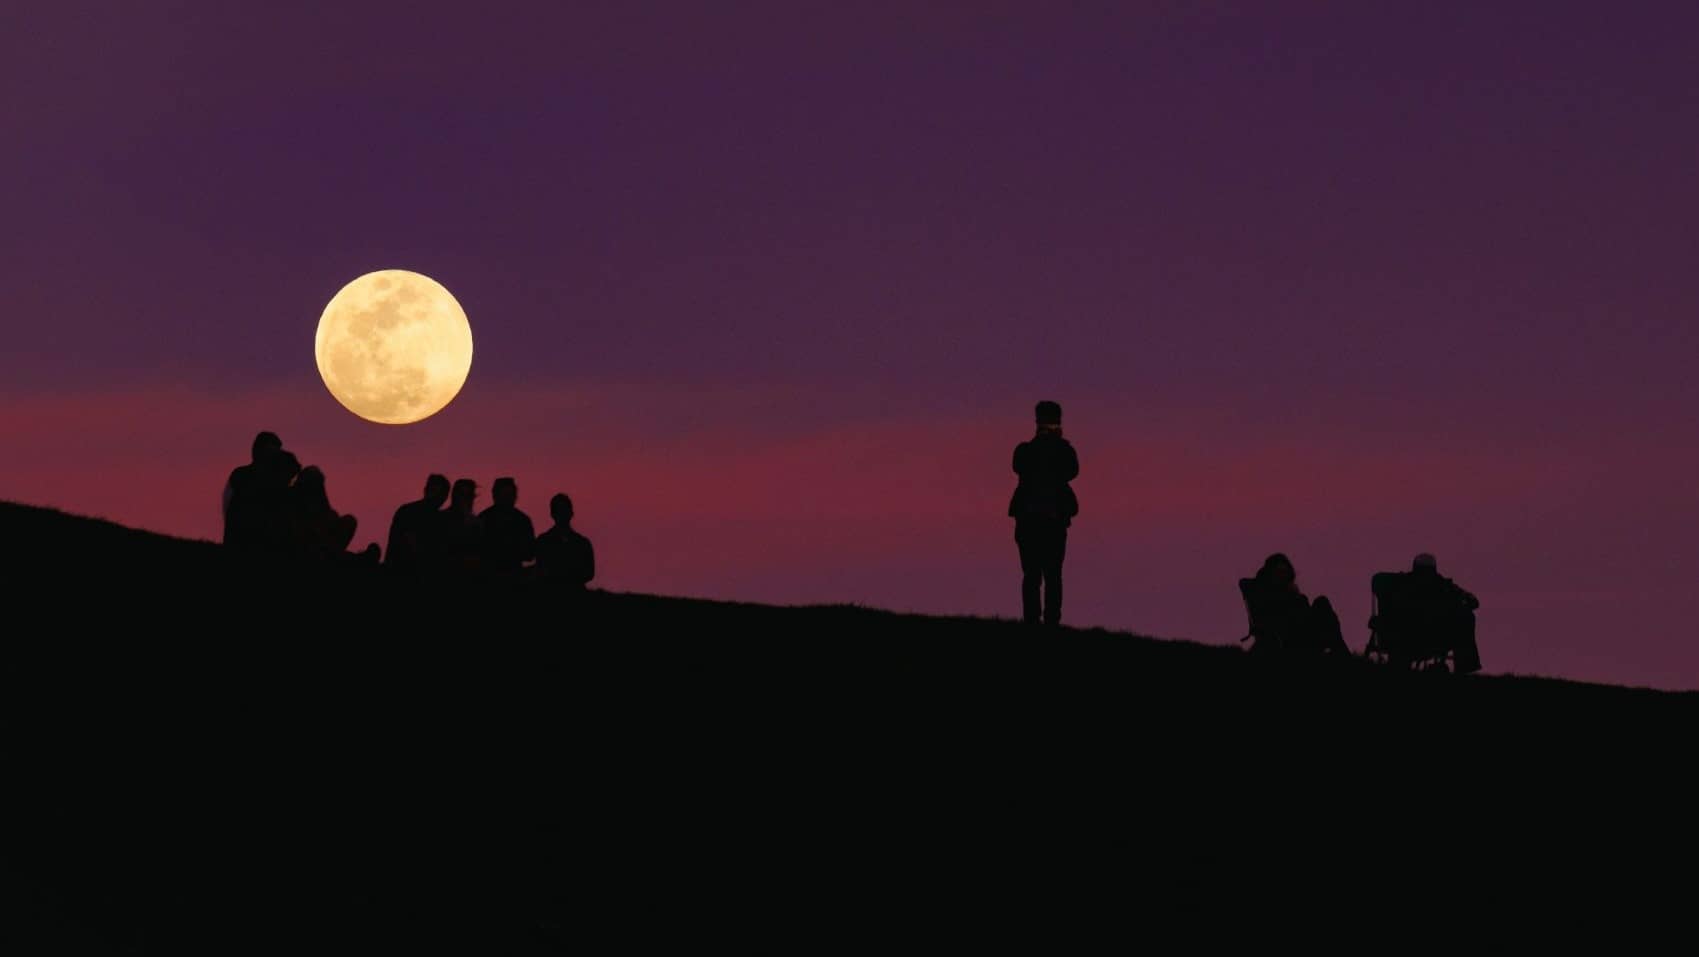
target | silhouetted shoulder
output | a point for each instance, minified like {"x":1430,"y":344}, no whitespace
{"x":565,"y":556}
{"x":1462,"y":595}
{"x":1047,"y":458}
{"x":1070,"y":460}
{"x":509,"y":538}
{"x":584,"y":569}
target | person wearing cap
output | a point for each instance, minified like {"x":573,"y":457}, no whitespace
{"x":510,"y":540}
{"x":463,"y":531}
{"x":1447,"y":607}
{"x":1043,"y":507}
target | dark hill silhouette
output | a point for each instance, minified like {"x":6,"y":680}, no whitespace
{"x":210,"y":756}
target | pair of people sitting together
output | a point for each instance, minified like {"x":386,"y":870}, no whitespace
{"x":1283,"y":618}
{"x":1421,"y":618}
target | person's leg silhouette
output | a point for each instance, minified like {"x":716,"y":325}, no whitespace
{"x":1032,"y":575}
{"x":1056,"y":549}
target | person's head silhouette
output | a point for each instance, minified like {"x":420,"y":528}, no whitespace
{"x":436,"y":490}
{"x":560,"y":509}
{"x":1426,"y":564}
{"x":465,"y":493}
{"x":1048,"y":413}
{"x":1279,"y":569}
{"x":309,"y":489}
{"x":281,"y":467}
{"x":265,"y":444}
{"x":505,"y":492}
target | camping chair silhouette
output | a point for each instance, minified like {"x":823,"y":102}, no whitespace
{"x":1264,"y":631}
{"x":1405,"y":634}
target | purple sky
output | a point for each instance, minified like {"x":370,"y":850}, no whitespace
{"x":771,"y":288}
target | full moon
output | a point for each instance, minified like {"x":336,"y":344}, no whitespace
{"x":393,"y":347}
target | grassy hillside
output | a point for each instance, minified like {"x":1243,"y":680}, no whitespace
{"x":210,"y":756}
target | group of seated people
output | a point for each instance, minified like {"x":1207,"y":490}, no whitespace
{"x":275,"y":508}
{"x":427,"y":537}
{"x":1421,"y":617}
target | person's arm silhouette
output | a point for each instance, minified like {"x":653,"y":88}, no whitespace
{"x":1464,"y":597}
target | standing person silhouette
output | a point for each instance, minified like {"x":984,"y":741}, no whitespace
{"x":417,"y":531}
{"x":510,"y":540}
{"x":1043,"y":507}
{"x":463,"y":535}
{"x":564,"y":556}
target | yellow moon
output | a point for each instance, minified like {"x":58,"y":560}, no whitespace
{"x":394,"y":347}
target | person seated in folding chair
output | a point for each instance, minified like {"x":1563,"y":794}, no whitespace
{"x":1282,"y":618}
{"x":1447,"y":610}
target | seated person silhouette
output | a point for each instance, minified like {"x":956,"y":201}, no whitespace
{"x":416,"y":532}
{"x":564,"y":557}
{"x":242,"y":493}
{"x":270,"y":509}
{"x":318,"y":532}
{"x":1282,"y":618}
{"x":1422,"y":615}
{"x":510,"y":540}
{"x":462,"y":529}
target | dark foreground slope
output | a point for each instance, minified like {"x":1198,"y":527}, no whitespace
{"x":207,"y":757}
